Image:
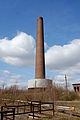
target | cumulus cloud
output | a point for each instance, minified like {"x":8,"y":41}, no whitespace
{"x":63,"y":57}
{"x":18,"y":51}
{"x":64,"y":60}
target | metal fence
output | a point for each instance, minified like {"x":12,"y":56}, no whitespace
{"x":27,"y":108}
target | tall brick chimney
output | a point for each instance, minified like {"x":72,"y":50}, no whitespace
{"x":40,"y":81}
{"x":40,"y":59}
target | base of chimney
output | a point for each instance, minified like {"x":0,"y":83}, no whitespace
{"x":39,"y":83}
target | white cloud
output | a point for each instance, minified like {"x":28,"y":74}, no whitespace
{"x":10,"y":79}
{"x":62,"y":57}
{"x":18,"y":51}
{"x":65,"y":60}
{"x":60,"y":80}
{"x":5,"y":72}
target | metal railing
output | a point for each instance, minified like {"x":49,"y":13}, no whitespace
{"x":9,"y":115}
{"x":27,"y":108}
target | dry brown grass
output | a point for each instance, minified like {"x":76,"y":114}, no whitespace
{"x":52,"y":93}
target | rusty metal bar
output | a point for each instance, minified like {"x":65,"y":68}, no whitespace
{"x":13,"y":113}
{"x":53,"y":109}
{"x":1,"y":115}
{"x":33,"y":108}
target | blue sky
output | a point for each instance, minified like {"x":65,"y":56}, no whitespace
{"x":61,"y":27}
{"x":61,"y":18}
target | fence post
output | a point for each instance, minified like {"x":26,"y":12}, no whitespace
{"x":31,"y":106}
{"x":70,"y":114}
{"x":40,"y":107}
{"x":13,"y":113}
{"x":17,"y":109}
{"x":33,"y":111}
{"x":2,"y":115}
{"x":53,"y":109}
{"x":1,"y":112}
{"x":1,"y":108}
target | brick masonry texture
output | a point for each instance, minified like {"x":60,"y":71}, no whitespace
{"x":40,"y":58}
